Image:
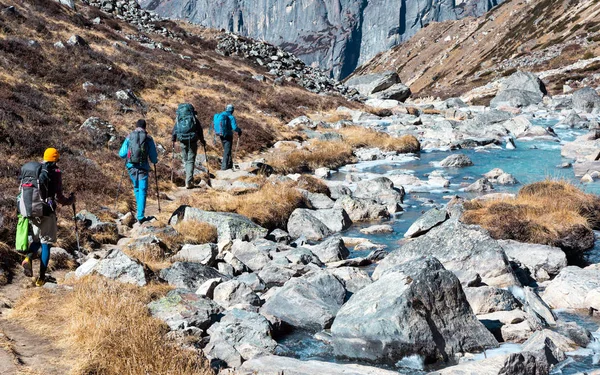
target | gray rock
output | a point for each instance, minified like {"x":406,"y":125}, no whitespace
{"x":428,"y":220}
{"x":336,"y":219}
{"x":116,"y":266}
{"x":525,"y":81}
{"x":543,"y":262}
{"x":253,"y":281}
{"x":378,"y":229}
{"x":538,"y":339}
{"x":539,"y":312}
{"x":515,"y":98}
{"x":275,"y":365}
{"x":574,"y":288}
{"x":480,"y":186}
{"x":354,"y":279}
{"x":330,"y":250}
{"x":359,"y":209}
{"x":234,"y":293}
{"x":586,"y":99}
{"x":456,"y":161}
{"x":373,"y":83}
{"x":187,"y":275}
{"x":276,"y":275}
{"x":466,"y":250}
{"x":489,"y":299}
{"x":337,"y":191}
{"x":181,"y":309}
{"x":279,"y":236}
{"x":252,"y":256}
{"x":419,"y":308}
{"x":309,"y":302}
{"x":381,"y":190}
{"x":317,"y":224}
{"x":454,"y":103}
{"x":229,"y":226}
{"x":208,"y":287}
{"x":76,"y":40}
{"x":204,"y":254}
{"x":398,"y":91}
{"x":100,"y":132}
{"x":318,"y":201}
{"x":68,"y":3}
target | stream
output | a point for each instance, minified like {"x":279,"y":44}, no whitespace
{"x":531,"y":161}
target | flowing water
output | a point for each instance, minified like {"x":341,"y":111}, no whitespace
{"x":531,"y":161}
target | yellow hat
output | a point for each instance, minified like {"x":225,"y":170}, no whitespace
{"x":51,"y":155}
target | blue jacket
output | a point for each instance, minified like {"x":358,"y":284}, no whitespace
{"x":225,"y":132}
{"x":152,"y":154}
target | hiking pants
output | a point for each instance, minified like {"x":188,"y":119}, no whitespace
{"x":43,"y":230}
{"x":139,"y":177}
{"x":189,"y":150}
{"x":227,"y":162}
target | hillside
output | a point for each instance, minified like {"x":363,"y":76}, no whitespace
{"x":449,"y":58}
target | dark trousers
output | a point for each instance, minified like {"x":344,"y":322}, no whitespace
{"x":189,"y":149}
{"x":227,"y":160}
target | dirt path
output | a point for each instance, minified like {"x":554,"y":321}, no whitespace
{"x":21,"y":351}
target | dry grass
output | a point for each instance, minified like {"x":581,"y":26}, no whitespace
{"x":543,"y":212}
{"x":313,"y":184}
{"x":105,"y":327}
{"x":8,"y":260}
{"x":270,"y":207}
{"x":358,"y":136}
{"x":316,"y":155}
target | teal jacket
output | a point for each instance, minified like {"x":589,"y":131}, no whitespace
{"x":151,"y":152}
{"x":225,"y":132}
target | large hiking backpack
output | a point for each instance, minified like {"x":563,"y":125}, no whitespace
{"x":185,"y":123}
{"x":138,"y":148}
{"x":33,"y":191}
{"x":222,"y":124}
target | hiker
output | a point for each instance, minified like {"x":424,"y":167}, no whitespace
{"x":41,"y":190}
{"x":188,"y":131}
{"x":137,"y":149}
{"x":225,"y":125}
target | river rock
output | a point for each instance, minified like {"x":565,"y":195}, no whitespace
{"x":378,"y":229}
{"x":338,"y":190}
{"x":521,"y":89}
{"x":373,"y":83}
{"x":543,"y":262}
{"x":563,"y":343}
{"x":280,"y":236}
{"x":204,"y":254}
{"x":181,"y":309}
{"x":188,"y":275}
{"x":308,"y":302}
{"x":573,"y":288}
{"x":398,"y":91}
{"x":379,"y":322}
{"x":359,"y":209}
{"x":275,"y":365}
{"x":466,"y":250}
{"x":330,"y":250}
{"x":586,"y":99}
{"x":246,"y":332}
{"x":253,"y":281}
{"x":515,"y":98}
{"x":354,"y":279}
{"x":489,"y":299}
{"x":428,"y":220}
{"x":116,"y":266}
{"x":276,"y":275}
{"x":251,"y":255}
{"x":498,"y":176}
{"x":381,"y":190}
{"x":229,"y":226}
{"x":317,"y":224}
{"x":234,"y":293}
{"x":480,"y":186}
{"x":456,"y":161}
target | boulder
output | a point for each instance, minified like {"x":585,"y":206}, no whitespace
{"x":330,"y":250}
{"x":317,"y":224}
{"x":428,"y":220}
{"x":252,"y":256}
{"x":397,"y":91}
{"x":188,"y":275}
{"x":539,"y":312}
{"x":100,"y":132}
{"x":543,"y":262}
{"x":489,"y":299}
{"x":204,"y":254}
{"x":354,"y":279}
{"x":480,"y":186}
{"x":253,"y":281}
{"x":586,"y":99}
{"x":563,"y":343}
{"x":466,"y":250}
{"x":229,"y":226}
{"x":76,"y":40}
{"x":359,"y":209}
{"x":336,"y":219}
{"x":373,"y":83}
{"x":279,"y":236}
{"x":498,"y":176}
{"x":234,"y":293}
{"x":515,"y":98}
{"x":318,"y":201}
{"x":309,"y":302}
{"x":276,"y":275}
{"x":381,"y":190}
{"x":207,"y":288}
{"x":456,"y":161}
{"x":574,"y":288}
{"x":418,"y":309}
{"x":181,"y":309}
{"x":245,"y":334}
{"x":300,"y":122}
{"x":378,"y":229}
{"x":116,"y":266}
{"x":275,"y":365}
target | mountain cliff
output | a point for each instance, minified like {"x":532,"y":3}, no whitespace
{"x":337,"y":36}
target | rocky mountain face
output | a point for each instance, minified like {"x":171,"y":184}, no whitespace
{"x":337,"y":36}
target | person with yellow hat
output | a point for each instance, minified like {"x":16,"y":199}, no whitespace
{"x":40,"y":208}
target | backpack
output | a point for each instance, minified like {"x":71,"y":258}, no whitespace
{"x":222,"y":124}
{"x":33,"y":191}
{"x":138,"y":148}
{"x":185,"y":123}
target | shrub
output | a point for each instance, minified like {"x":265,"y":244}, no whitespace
{"x":329,"y":154}
{"x":313,"y":184}
{"x":358,"y":136}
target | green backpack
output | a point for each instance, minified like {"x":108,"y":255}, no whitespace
{"x":185,"y":123}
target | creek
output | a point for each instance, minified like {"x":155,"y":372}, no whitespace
{"x":531,"y":161}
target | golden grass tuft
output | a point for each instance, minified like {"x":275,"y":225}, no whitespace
{"x":270,"y":207}
{"x":313,"y":184}
{"x":196,"y":233}
{"x":329,"y":154}
{"x":105,"y":327}
{"x":543,"y":212}
{"x":358,"y":136}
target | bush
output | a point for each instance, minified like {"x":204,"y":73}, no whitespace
{"x":358,"y":136}
{"x":329,"y":154}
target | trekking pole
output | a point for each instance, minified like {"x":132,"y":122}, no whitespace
{"x":157,"y":192}
{"x":173,"y":162}
{"x":119,"y":189}
{"x":76,"y":230}
{"x":207,"y":170}
{"x":237,"y":147}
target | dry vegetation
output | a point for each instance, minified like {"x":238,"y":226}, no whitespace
{"x":330,"y":154}
{"x":8,"y":259}
{"x":358,"y":136}
{"x":270,"y":207}
{"x":106,"y":328}
{"x":543,"y":212}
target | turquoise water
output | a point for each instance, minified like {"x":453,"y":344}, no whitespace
{"x":531,"y":161}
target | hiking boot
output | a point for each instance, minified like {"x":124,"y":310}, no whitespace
{"x":189,"y":186}
{"x":145,"y":219}
{"x":27,"y":269}
{"x":40,"y":281}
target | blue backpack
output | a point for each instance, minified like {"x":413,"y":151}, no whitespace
{"x":222,"y":124}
